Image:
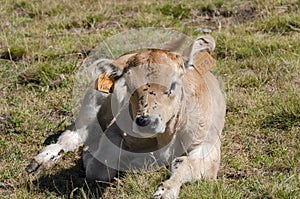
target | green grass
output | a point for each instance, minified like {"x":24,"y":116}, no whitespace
{"x":258,"y":60}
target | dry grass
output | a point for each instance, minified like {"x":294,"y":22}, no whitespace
{"x":258,"y":60}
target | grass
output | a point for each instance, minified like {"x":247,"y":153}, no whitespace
{"x":258,"y":60}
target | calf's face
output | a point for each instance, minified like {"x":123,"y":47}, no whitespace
{"x":153,"y":79}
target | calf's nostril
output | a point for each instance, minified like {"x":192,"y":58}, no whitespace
{"x":142,"y":120}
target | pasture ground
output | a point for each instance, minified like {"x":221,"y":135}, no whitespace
{"x":258,"y":53}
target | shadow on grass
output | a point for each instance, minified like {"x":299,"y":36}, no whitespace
{"x":68,"y":183}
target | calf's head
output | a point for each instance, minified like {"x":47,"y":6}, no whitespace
{"x":154,"y":80}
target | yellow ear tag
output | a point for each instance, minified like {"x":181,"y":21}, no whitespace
{"x":203,"y":62}
{"x":104,"y":83}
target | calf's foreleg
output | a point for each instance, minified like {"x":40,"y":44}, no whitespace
{"x":201,"y":163}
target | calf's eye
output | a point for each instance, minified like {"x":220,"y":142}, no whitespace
{"x":171,"y":89}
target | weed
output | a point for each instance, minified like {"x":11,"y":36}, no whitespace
{"x":178,"y":11}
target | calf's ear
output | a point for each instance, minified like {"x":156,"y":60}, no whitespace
{"x":203,"y":43}
{"x":106,"y":66}
{"x":199,"y":56}
{"x":105,"y":72}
